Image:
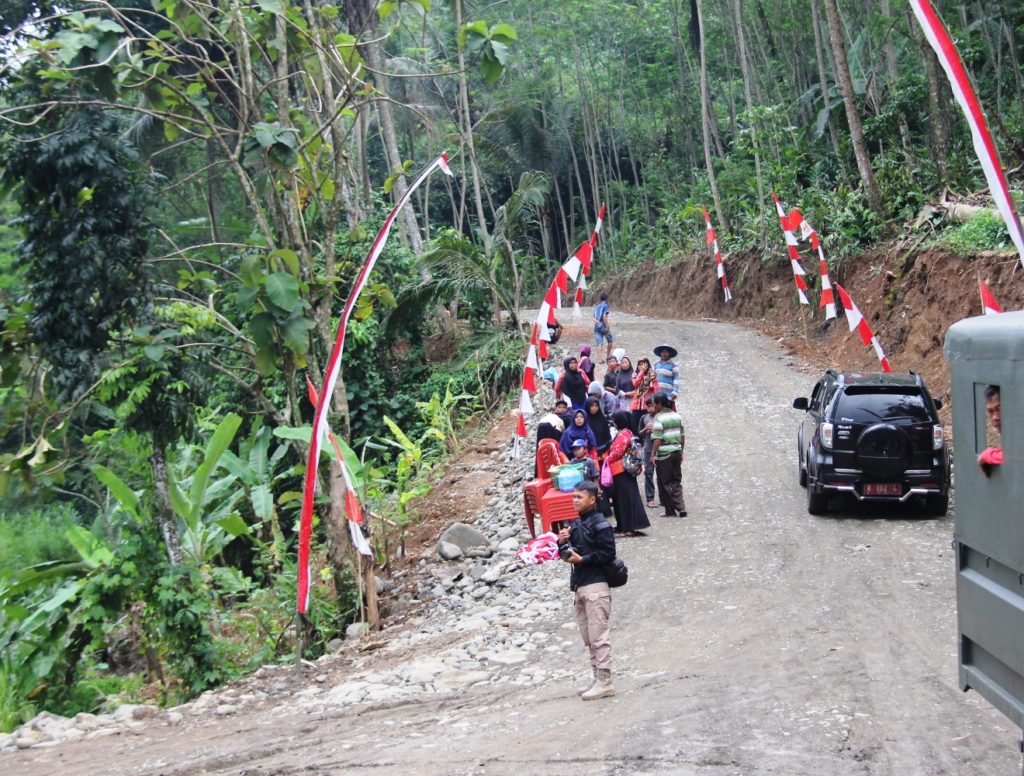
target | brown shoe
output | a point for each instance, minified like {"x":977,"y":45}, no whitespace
{"x":590,"y":686}
{"x":602,"y":686}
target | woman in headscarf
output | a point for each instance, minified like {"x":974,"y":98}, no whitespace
{"x":630,"y":515}
{"x":598,"y":423}
{"x":578,"y":429}
{"x":644,"y":387}
{"x":586,"y":365}
{"x":624,"y":380}
{"x":573,"y":384}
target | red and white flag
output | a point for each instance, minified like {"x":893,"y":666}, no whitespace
{"x":858,"y":323}
{"x":808,"y":232}
{"x":331,"y":379}
{"x":575,"y":269}
{"x":712,"y":240}
{"x":988,"y":300}
{"x":967,"y":98}
{"x":791,"y":248}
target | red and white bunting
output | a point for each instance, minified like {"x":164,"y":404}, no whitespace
{"x":331,"y":379}
{"x":858,"y":323}
{"x":520,"y":434}
{"x":601,"y":213}
{"x":807,"y":232}
{"x":989,"y":305}
{"x":575,"y":269}
{"x":791,"y":247}
{"x":576,"y":302}
{"x":967,"y":98}
{"x":712,"y":240}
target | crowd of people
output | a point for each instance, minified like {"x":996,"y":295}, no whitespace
{"x":616,"y":429}
{"x":598,"y":413}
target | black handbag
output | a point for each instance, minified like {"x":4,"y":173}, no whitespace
{"x":616,"y":573}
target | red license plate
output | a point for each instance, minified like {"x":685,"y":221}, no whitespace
{"x":883,"y":489}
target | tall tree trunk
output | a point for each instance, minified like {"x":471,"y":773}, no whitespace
{"x":706,"y":122}
{"x":362,"y":18}
{"x":741,"y":39}
{"x":590,"y":152}
{"x":894,"y":74}
{"x":467,"y":127}
{"x":165,"y":519}
{"x":406,"y":218}
{"x":860,"y":146}
{"x":819,"y":50}
{"x":938,"y":116}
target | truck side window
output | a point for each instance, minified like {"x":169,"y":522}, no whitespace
{"x":992,"y":455}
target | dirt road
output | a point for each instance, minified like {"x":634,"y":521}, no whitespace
{"x":752,"y":638}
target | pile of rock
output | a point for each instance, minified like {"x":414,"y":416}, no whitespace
{"x":46,"y":729}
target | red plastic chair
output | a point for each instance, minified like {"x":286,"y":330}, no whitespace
{"x":548,"y":454}
{"x":539,"y":495}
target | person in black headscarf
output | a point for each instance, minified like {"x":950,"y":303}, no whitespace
{"x":573,"y":383}
{"x":624,"y":383}
{"x":630,"y":515}
{"x":598,"y":424}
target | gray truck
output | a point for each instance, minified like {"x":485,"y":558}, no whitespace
{"x":986,"y":358}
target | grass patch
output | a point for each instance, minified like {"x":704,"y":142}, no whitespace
{"x":36,"y":536}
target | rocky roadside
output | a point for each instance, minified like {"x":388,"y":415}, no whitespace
{"x":468,"y":615}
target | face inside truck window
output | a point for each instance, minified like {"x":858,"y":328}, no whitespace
{"x":991,"y":458}
{"x":993,"y":414}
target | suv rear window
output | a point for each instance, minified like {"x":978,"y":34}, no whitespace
{"x":873,"y":405}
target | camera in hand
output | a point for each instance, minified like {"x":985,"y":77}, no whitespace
{"x":565,"y":550}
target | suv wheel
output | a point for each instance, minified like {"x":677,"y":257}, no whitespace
{"x":801,"y":471}
{"x":936,"y":506}
{"x":817,"y":502}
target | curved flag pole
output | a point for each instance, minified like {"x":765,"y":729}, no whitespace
{"x":967,"y":98}
{"x":575,"y":268}
{"x":331,"y":378}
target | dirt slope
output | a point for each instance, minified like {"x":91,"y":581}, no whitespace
{"x":910,"y":298}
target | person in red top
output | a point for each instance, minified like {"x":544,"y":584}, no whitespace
{"x":644,"y":386}
{"x":630,"y":515}
{"x":992,"y":456}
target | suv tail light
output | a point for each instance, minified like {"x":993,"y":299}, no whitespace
{"x":826,"y":435}
{"x":938,"y":436}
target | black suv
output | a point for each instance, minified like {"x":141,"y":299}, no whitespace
{"x":873,"y":435}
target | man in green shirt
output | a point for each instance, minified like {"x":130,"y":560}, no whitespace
{"x":667,"y":455}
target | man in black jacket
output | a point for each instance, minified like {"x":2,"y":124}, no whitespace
{"x":589,"y":545}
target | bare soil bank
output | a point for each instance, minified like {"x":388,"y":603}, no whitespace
{"x":910,"y":298}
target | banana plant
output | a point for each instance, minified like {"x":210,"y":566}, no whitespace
{"x":256,"y":469}
{"x":207,"y":506}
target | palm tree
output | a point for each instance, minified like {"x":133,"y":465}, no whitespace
{"x":461,"y":267}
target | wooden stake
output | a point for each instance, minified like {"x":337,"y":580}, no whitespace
{"x":298,"y":643}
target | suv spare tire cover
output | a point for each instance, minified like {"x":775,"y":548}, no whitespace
{"x":883,"y":451}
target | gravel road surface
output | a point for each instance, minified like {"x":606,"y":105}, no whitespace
{"x":752,"y":638}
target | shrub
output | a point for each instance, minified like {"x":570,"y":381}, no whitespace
{"x":36,"y":536}
{"x":984,"y":232}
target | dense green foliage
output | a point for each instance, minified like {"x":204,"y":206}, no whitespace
{"x":191,"y":190}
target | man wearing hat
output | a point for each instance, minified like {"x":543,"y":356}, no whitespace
{"x":666,"y":373}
